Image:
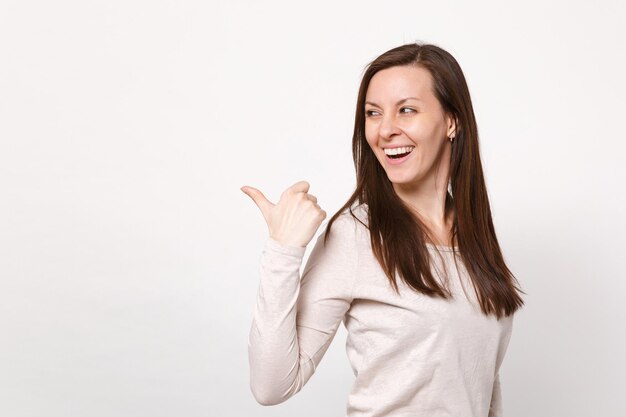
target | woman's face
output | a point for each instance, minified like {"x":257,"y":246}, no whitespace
{"x":401,"y":111}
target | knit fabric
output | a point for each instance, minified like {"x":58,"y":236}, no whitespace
{"x":412,"y":355}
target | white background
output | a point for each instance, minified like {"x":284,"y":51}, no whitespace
{"x":129,"y":256}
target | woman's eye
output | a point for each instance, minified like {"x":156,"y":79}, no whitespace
{"x":406,"y":108}
{"x":368,"y":113}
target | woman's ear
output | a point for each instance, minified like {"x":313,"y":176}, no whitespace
{"x":453,"y":123}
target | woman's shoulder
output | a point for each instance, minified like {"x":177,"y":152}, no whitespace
{"x":350,"y":223}
{"x":356,"y":214}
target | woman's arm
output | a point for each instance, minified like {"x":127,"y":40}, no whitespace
{"x":296,"y":319}
{"x":495,"y":409}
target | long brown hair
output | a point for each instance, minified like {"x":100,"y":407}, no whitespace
{"x":389,"y":218}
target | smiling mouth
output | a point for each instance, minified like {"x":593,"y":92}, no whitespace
{"x":399,"y":155}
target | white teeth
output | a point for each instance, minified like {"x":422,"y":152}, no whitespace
{"x":396,"y":151}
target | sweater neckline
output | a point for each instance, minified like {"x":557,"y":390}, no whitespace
{"x":442,"y":247}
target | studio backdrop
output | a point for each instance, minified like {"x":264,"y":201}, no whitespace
{"x":129,"y":257}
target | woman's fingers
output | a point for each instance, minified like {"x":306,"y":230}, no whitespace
{"x":295,"y":218}
{"x":300,"y":186}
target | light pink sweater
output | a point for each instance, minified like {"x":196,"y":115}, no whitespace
{"x":412,"y":355}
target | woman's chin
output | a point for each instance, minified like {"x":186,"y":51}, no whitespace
{"x":403,"y":183}
{"x":400,"y":178}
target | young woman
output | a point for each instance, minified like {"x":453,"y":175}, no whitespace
{"x":410,"y":264}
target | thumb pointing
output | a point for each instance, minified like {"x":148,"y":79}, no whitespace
{"x":259,"y":199}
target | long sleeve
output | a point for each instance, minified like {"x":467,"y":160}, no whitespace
{"x":295,"y":319}
{"x":495,"y":409}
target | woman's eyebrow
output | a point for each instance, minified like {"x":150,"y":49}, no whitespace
{"x":398,"y":103}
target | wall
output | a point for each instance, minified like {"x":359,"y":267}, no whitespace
{"x":129,"y":256}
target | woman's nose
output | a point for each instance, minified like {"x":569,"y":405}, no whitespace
{"x":388,"y":127}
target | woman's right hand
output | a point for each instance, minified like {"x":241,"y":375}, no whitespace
{"x":296,"y":217}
